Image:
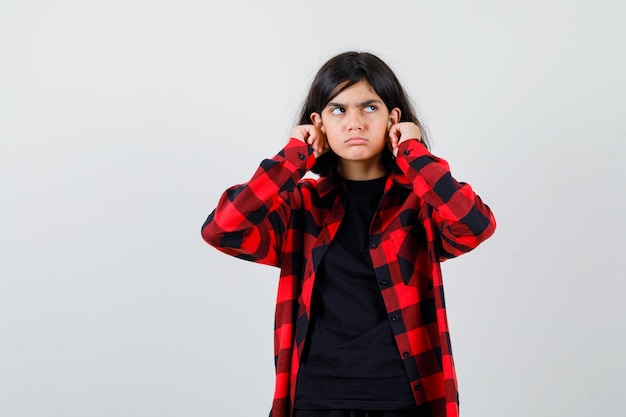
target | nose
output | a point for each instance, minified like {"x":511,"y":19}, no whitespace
{"x":354,"y":120}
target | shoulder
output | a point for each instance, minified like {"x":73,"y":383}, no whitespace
{"x":310,"y":185}
{"x":318,"y":188}
{"x":400,"y":179}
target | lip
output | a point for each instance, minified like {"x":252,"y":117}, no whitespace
{"x":356,"y":140}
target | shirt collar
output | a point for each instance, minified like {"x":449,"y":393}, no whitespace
{"x":330,"y":182}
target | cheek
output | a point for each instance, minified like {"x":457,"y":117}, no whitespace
{"x":383,"y":128}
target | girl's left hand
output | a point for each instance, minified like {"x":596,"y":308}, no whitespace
{"x":400,"y":132}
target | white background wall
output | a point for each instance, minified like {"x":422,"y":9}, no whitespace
{"x":122,"y":121}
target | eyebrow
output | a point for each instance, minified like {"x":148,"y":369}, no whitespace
{"x":362,"y":104}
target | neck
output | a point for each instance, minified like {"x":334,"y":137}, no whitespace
{"x":361,"y":170}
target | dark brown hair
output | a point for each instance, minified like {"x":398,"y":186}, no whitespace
{"x":343,"y":71}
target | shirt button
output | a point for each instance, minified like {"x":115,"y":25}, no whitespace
{"x":417,"y":387}
{"x":406,"y":354}
{"x":384,"y":282}
{"x":407,"y":152}
{"x":302,"y":157}
{"x":373,"y":245}
{"x":394,"y":318}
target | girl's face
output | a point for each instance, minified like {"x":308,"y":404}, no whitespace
{"x":356,"y":124}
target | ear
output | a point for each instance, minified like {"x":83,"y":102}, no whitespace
{"x":394,"y":117}
{"x":316,"y":118}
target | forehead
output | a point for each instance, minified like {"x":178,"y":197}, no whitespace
{"x":359,"y":92}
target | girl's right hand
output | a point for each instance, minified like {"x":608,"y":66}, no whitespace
{"x":313,"y":136}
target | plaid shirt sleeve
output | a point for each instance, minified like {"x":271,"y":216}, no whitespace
{"x":463,"y":220}
{"x":250,"y":219}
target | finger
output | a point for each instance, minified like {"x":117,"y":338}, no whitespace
{"x":394,"y":135}
{"x":315,"y":143}
{"x":311,"y":136}
{"x":319,"y":147}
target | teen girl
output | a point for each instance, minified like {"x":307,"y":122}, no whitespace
{"x":361,"y":326}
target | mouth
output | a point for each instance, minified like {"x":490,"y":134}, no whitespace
{"x":356,"y":140}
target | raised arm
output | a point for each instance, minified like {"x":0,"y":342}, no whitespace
{"x":250,"y":219}
{"x":463,"y":220}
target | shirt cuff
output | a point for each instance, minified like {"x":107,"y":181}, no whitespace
{"x":412,"y":148}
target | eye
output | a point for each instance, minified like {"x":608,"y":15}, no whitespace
{"x":370,"y":108}
{"x":337,"y":110}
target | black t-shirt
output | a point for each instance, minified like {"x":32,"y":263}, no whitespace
{"x":350,"y":359}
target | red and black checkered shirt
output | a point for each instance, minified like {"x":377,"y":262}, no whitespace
{"x":425,"y":216}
